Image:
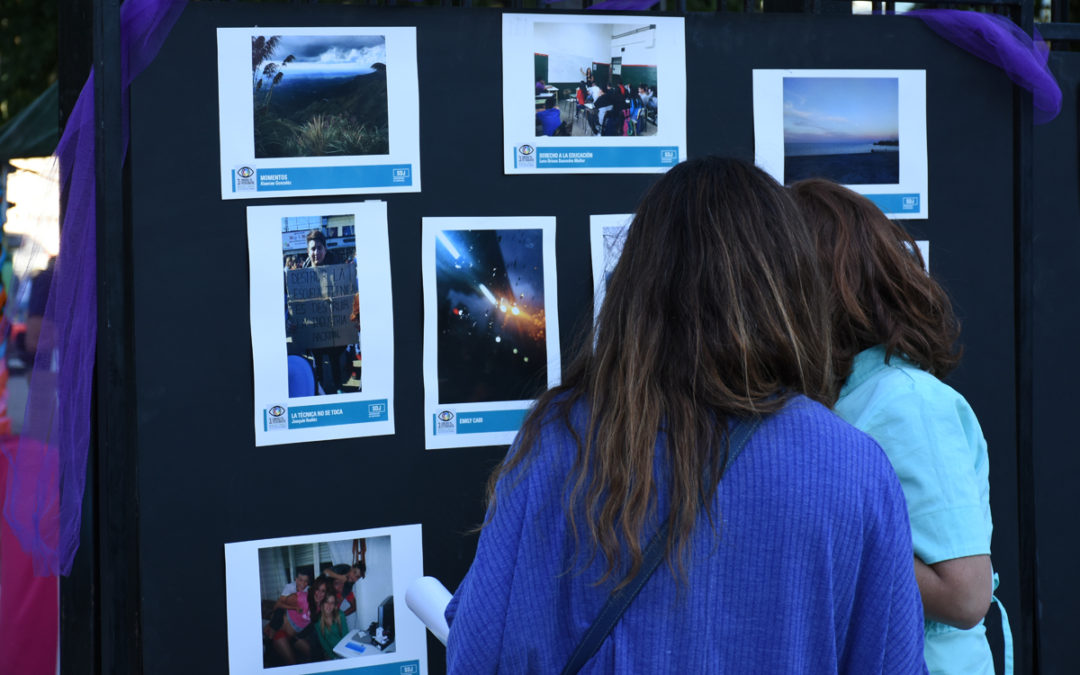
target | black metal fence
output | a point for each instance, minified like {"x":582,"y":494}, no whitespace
{"x":101,"y":601}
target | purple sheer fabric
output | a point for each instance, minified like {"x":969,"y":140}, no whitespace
{"x":47,"y":473}
{"x":1001,"y":42}
{"x":625,"y":5}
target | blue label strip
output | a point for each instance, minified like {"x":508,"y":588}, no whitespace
{"x":333,"y":177}
{"x":901,"y":203}
{"x":486,"y":421}
{"x":333,"y":414}
{"x":399,"y":668}
{"x":605,"y":158}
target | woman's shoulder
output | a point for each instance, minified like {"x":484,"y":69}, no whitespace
{"x":823,"y":439}
{"x":879,"y":382}
{"x":810,"y":461}
{"x":549,"y":437}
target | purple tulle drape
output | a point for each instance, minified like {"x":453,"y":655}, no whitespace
{"x":47,"y":473}
{"x":1001,"y":42}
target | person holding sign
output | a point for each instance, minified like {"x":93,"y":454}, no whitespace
{"x":323,"y":316}
{"x":894,"y":338}
{"x":626,"y":482}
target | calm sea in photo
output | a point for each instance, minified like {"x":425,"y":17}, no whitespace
{"x":846,"y":163}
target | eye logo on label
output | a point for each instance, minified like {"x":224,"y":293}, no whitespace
{"x":446,"y":416}
{"x":276,"y":411}
{"x":245,"y":172}
{"x":526,"y":149}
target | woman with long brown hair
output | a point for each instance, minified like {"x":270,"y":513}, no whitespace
{"x":894,"y":337}
{"x":330,"y":626}
{"x":792,"y":556}
{"x":309,"y":637}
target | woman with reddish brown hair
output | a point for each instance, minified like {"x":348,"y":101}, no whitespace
{"x":791,"y":557}
{"x":894,"y":338}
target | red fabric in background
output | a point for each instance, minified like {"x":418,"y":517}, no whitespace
{"x":29,"y":605}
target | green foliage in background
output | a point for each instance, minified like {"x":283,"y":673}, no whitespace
{"x":28,"y":52}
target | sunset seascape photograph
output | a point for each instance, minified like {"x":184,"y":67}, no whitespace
{"x":845,"y":129}
{"x":862,"y":128}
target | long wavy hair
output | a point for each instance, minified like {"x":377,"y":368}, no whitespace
{"x":881,"y":292}
{"x":716,"y":310}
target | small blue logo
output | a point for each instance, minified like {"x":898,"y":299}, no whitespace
{"x":910,"y":203}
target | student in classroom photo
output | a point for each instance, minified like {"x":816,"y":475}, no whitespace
{"x":549,"y":119}
{"x":689,"y":461}
{"x":894,"y":338}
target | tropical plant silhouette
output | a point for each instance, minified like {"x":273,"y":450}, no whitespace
{"x":262,"y":52}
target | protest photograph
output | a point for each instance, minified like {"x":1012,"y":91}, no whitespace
{"x":322,"y":301}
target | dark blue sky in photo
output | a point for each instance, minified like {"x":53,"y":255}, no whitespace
{"x":841,"y":109}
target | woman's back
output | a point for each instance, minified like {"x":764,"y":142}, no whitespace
{"x":804,"y":575}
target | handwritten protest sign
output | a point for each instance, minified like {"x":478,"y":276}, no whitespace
{"x":320,"y":300}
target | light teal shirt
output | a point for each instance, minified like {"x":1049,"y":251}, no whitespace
{"x":934,"y":442}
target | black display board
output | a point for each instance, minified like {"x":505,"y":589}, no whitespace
{"x":202,"y":482}
{"x":1057,"y":324}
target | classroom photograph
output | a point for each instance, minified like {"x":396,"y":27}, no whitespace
{"x":595,"y":79}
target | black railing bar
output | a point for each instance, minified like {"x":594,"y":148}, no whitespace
{"x":1059,"y":10}
{"x":116,"y":488}
{"x":1024,"y":313}
{"x":1059,"y":31}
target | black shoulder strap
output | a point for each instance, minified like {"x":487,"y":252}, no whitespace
{"x":654,"y":553}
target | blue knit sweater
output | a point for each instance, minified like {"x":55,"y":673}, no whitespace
{"x":811,"y":571}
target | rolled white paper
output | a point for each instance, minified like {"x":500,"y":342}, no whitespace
{"x":428,"y":598}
